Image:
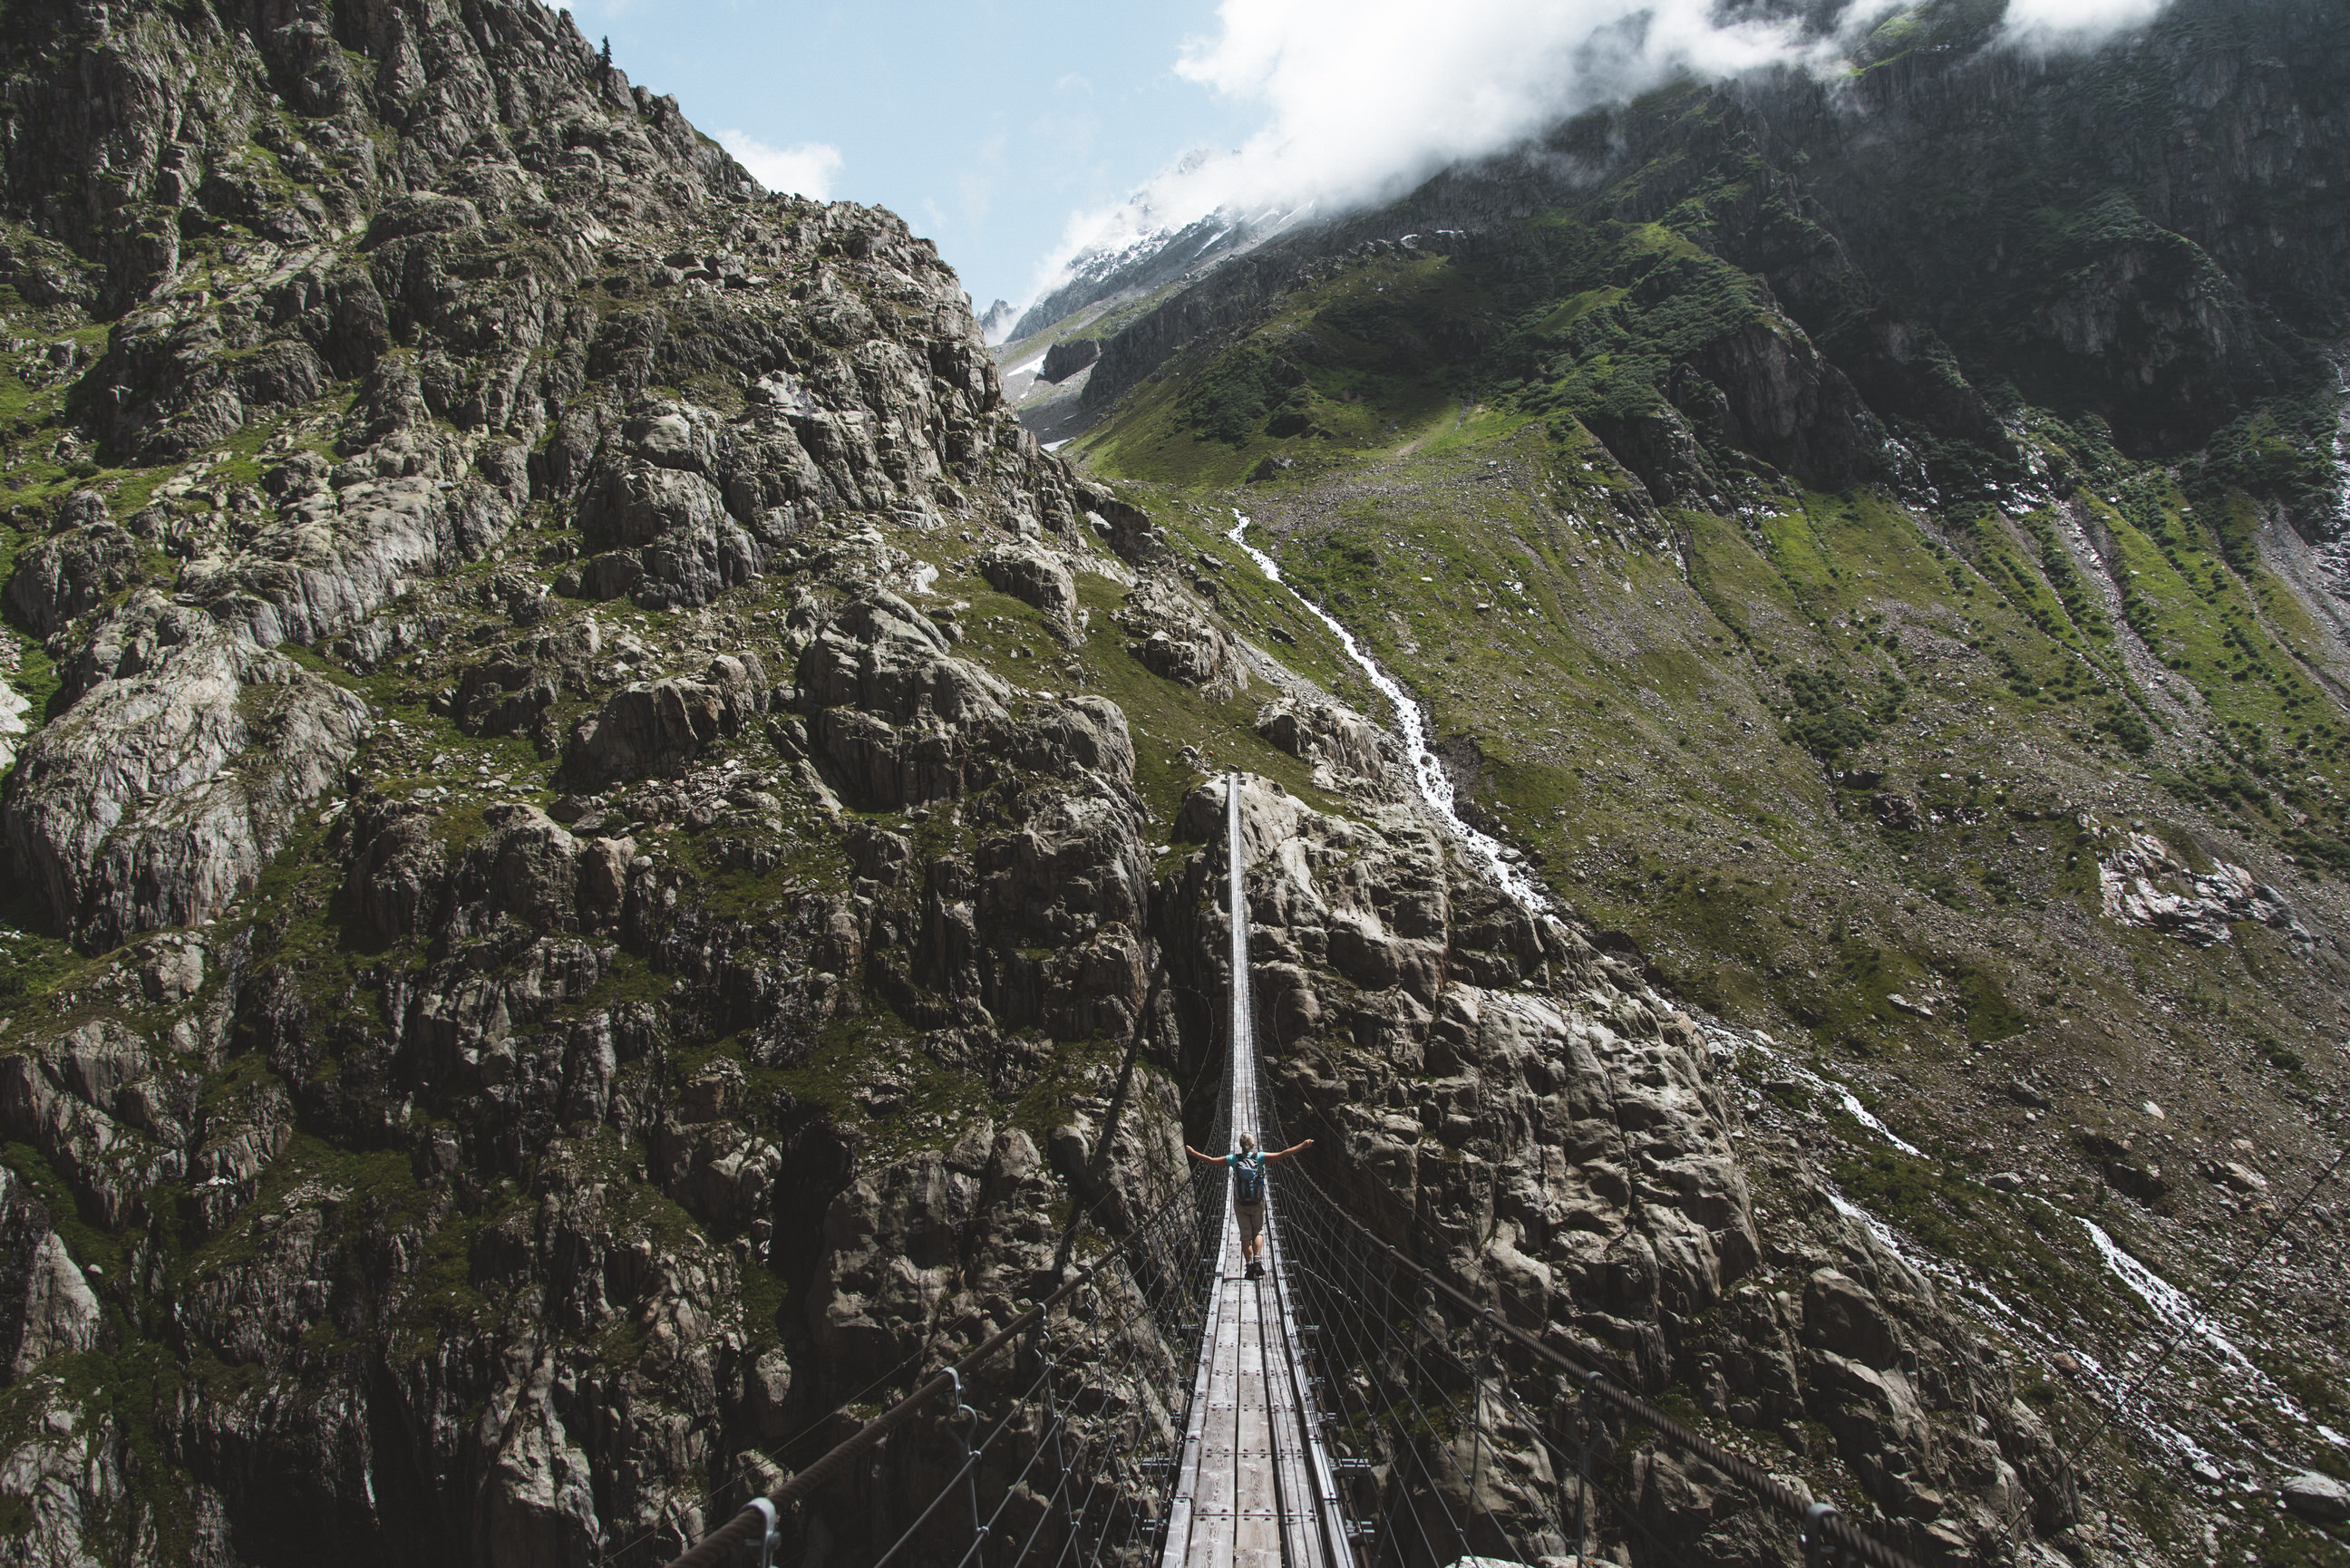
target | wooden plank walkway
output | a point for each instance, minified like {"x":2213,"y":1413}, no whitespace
{"x":1255,"y":1487}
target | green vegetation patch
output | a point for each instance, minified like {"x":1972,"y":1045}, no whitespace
{"x":1831,"y":718}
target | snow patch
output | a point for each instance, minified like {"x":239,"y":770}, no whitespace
{"x":2172,"y":1306}
{"x":2022,"y":1327}
{"x":1840,"y":1093}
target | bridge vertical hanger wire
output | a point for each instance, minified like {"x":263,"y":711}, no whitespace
{"x":1414,"y":1374}
{"x":1447,"y":1535}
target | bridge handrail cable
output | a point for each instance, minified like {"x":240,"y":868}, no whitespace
{"x":749,"y":1523}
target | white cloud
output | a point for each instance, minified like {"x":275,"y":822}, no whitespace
{"x":1363,"y":98}
{"x":805,"y":170}
{"x":1366,"y":93}
{"x":2076,"y":22}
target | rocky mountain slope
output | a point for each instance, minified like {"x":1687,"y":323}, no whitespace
{"x":604,"y":856}
{"x":470,"y":1080}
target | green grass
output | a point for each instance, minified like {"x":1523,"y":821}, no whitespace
{"x":1216,"y":415}
{"x":1639,"y":698}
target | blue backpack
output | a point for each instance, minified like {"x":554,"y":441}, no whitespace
{"x":1248,"y":1179}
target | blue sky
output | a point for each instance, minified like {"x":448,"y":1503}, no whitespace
{"x":985,"y":125}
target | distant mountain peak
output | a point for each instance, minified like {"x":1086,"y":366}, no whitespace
{"x":1142,"y":259}
{"x":995,"y":323}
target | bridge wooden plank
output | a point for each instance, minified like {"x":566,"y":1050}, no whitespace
{"x":1256,"y":1535}
{"x":1220,"y":1434}
{"x":1211,"y":1506}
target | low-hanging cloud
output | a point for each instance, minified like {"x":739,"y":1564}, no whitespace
{"x":1367,"y":93}
{"x":805,"y":170}
{"x":2078,"y":21}
{"x":1365,"y":97}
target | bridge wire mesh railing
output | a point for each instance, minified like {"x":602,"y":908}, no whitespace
{"x":1068,"y":1454}
{"x":1439,"y":1455}
{"x":1061,"y":1430}
{"x":1054,"y":1438}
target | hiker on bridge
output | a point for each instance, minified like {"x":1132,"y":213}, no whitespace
{"x":1248,"y":1192}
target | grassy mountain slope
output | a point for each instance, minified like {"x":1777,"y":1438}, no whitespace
{"x":1851,"y":686}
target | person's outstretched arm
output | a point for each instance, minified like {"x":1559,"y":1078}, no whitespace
{"x":1292,"y":1148}
{"x":1211,"y":1159}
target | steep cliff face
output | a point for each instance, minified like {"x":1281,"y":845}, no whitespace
{"x":2115,"y":226}
{"x":543,"y":970}
{"x":1509,"y":1100}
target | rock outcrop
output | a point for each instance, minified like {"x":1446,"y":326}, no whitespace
{"x":1328,"y":736}
{"x":1035,"y":577}
{"x":175,"y":777}
{"x":2144,"y":882}
{"x":1175,"y":640}
{"x":47,"y":1307}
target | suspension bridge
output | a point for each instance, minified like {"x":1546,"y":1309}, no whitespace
{"x":1161,"y":1409}
{"x":1254,"y":1485}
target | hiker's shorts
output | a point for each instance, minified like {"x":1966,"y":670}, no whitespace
{"x":1252,"y":1219}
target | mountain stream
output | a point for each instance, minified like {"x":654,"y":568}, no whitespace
{"x":2170,"y":1306}
{"x":1427,"y":771}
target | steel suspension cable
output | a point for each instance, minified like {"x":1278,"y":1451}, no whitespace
{"x":970,"y":1464}
{"x":772,"y":1452}
{"x":747,"y":1524}
{"x":1535,"y":1428}
{"x":1135,"y":1347}
{"x":1316,"y":1238}
{"x":1315,"y":1214}
{"x":1820,"y":1524}
{"x":2197,"y":1316}
{"x":1126,"y":1311}
{"x":1133,"y":1350}
{"x":1831,"y":1525}
{"x":1407,"y":1389}
{"x":1319,"y":1238}
{"x":1177,"y":1287}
